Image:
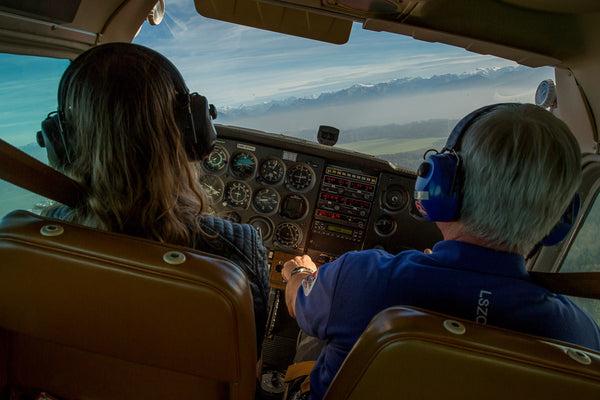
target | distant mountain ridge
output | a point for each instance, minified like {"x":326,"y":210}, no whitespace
{"x":397,"y":87}
{"x":412,"y":130}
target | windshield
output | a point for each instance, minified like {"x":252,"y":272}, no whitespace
{"x":390,"y":96}
{"x":27,"y":95}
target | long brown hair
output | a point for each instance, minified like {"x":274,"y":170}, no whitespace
{"x":122,"y":108}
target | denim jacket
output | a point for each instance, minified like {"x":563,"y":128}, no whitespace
{"x":241,"y":244}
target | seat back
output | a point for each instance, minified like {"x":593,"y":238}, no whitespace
{"x":409,"y":353}
{"x":97,"y":315}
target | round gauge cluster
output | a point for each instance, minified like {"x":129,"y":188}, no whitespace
{"x":263,"y":225}
{"x":294,"y":207}
{"x":232,"y":216}
{"x":385,"y":225}
{"x":238,"y":194}
{"x":216,"y":160}
{"x":213,"y":186}
{"x":243,"y":165}
{"x":266,"y":201}
{"x":300,"y":177}
{"x":288,"y":234}
{"x":396,"y":198}
{"x":247,"y":184}
{"x":271,"y":171}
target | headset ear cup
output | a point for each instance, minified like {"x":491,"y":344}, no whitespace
{"x":52,"y":139}
{"x":201,"y":136}
{"x":436,"y":194}
{"x":565,"y":224}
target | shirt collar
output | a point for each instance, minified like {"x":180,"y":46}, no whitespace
{"x":466,"y":256}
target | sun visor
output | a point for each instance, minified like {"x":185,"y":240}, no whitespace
{"x":290,"y":20}
{"x":54,"y":11}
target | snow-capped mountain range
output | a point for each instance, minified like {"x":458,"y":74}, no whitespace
{"x":480,"y":78}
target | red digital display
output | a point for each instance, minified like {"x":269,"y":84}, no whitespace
{"x":362,"y":186}
{"x":336,"y":181}
{"x":333,"y":197}
{"x":328,"y":214}
{"x":358,"y":203}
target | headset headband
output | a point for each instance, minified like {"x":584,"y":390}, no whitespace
{"x":162,"y":61}
{"x":437,"y":187}
{"x":193,"y":114}
{"x":455,"y":138}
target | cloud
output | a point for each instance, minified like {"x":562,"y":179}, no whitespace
{"x":233,"y":64}
{"x":254,"y":83}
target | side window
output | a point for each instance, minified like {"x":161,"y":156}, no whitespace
{"x":28,"y":87}
{"x":584,"y":255}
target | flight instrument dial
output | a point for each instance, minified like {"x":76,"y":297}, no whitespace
{"x":288,"y":234}
{"x":272,"y":170}
{"x":238,"y":194}
{"x":300,"y":177}
{"x":243,"y":165}
{"x":213,"y":186}
{"x":263,"y":226}
{"x":266,"y":201}
{"x":216,"y":160}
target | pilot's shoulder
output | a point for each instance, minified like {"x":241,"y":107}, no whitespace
{"x":367,"y":262}
{"x":374,"y":255}
{"x":239,"y":234}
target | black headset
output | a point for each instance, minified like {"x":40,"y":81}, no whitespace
{"x":440,"y":178}
{"x":195,"y":122}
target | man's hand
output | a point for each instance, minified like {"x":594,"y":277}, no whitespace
{"x":296,"y":262}
{"x":294,"y":278}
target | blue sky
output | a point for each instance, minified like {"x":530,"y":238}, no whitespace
{"x":27,"y":94}
{"x":234,"y":65}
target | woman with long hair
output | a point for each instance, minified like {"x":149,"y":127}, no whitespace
{"x":127,"y":129}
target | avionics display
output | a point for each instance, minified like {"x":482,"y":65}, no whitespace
{"x":340,"y":229}
{"x":343,"y":208}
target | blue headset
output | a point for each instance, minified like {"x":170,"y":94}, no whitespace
{"x":439,"y":181}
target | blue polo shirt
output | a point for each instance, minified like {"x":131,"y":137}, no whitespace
{"x":460,"y":279}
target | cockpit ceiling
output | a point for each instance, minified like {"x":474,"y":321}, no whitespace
{"x":559,"y":6}
{"x":65,"y":28}
{"x":531,"y":32}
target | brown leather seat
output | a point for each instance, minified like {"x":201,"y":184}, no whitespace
{"x":407,"y":353}
{"x":96,"y":315}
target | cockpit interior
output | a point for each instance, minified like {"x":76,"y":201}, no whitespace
{"x":88,"y":314}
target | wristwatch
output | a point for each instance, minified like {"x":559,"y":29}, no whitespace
{"x":300,"y":269}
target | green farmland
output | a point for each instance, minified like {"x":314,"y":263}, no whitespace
{"x":379,"y":147}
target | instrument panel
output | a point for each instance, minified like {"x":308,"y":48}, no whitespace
{"x":271,"y":188}
{"x":307,"y":198}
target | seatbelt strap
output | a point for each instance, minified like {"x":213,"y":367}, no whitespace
{"x":25,"y":171}
{"x":579,"y":284}
{"x":305,"y":386}
{"x":299,"y":369}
